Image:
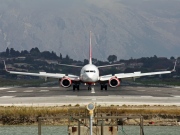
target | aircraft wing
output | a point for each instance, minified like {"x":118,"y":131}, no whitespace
{"x":110,"y":65}
{"x":136,"y":74}
{"x":132,"y":75}
{"x":44,"y":74}
{"x":40,"y":74}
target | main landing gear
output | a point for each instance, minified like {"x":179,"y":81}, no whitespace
{"x":103,"y":86}
{"x":76,"y":86}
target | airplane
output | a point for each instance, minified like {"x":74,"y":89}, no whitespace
{"x":89,"y":75}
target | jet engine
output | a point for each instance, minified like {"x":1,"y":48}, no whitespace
{"x":114,"y":82}
{"x":65,"y":82}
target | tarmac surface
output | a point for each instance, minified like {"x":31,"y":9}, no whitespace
{"x":53,"y":96}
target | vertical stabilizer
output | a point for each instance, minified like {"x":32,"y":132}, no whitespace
{"x":90,"y":50}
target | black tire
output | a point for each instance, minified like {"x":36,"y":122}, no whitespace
{"x":105,"y":87}
{"x":101,"y":87}
{"x":78,"y":87}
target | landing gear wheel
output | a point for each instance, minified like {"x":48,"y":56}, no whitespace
{"x":103,"y":87}
{"x":75,"y":87}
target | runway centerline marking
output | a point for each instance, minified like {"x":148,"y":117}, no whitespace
{"x":176,"y":96}
{"x":4,"y":88}
{"x":93,"y":90}
{"x":11,"y":91}
{"x":44,"y":90}
{"x":28,"y":91}
{"x":7,"y":96}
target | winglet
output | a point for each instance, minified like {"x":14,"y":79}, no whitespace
{"x":174,"y":69}
{"x":5,"y":66}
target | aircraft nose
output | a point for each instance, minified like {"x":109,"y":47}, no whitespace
{"x":90,"y":77}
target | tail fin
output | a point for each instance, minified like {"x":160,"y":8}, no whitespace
{"x":90,"y":50}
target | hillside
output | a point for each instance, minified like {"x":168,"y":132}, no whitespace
{"x":126,"y":28}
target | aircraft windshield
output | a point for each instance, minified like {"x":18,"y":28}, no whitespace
{"x":92,"y":71}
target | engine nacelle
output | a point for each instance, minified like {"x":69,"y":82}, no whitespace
{"x":114,"y":82}
{"x":65,"y":82}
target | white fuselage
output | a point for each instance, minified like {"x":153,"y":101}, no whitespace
{"x":89,"y":74}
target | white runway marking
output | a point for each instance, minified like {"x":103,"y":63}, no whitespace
{"x":93,"y":91}
{"x":28,"y":91}
{"x":11,"y":91}
{"x":4,"y":88}
{"x":55,"y":87}
{"x":177,"y":87}
{"x":7,"y":97}
{"x":44,"y":90}
{"x":176,"y":96}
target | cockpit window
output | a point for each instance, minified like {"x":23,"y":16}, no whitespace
{"x":92,"y":71}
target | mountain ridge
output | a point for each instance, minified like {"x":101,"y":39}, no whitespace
{"x":125,"y":28}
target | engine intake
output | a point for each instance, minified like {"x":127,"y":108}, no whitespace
{"x":65,"y":82}
{"x":114,"y":82}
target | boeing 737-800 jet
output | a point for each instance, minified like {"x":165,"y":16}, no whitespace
{"x":89,"y":75}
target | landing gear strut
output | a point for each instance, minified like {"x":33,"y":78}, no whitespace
{"x":76,"y":86}
{"x":103,"y":86}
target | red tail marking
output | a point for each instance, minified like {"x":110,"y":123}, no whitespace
{"x":90,"y":50}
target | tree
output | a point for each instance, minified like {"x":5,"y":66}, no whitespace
{"x":14,"y":53}
{"x":7,"y":51}
{"x":60,"y":57}
{"x":24,"y":52}
{"x":35,"y":51}
{"x":67,"y":57}
{"x":86,"y":61}
{"x":172,"y":58}
{"x":112,"y":58}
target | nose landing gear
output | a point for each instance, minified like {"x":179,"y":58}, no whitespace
{"x":89,"y":87}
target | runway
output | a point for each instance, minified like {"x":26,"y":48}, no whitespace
{"x":52,"y":96}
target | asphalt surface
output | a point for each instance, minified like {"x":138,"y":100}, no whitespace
{"x":50,"y":96}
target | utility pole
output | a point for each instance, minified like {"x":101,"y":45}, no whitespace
{"x":91,"y":108}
